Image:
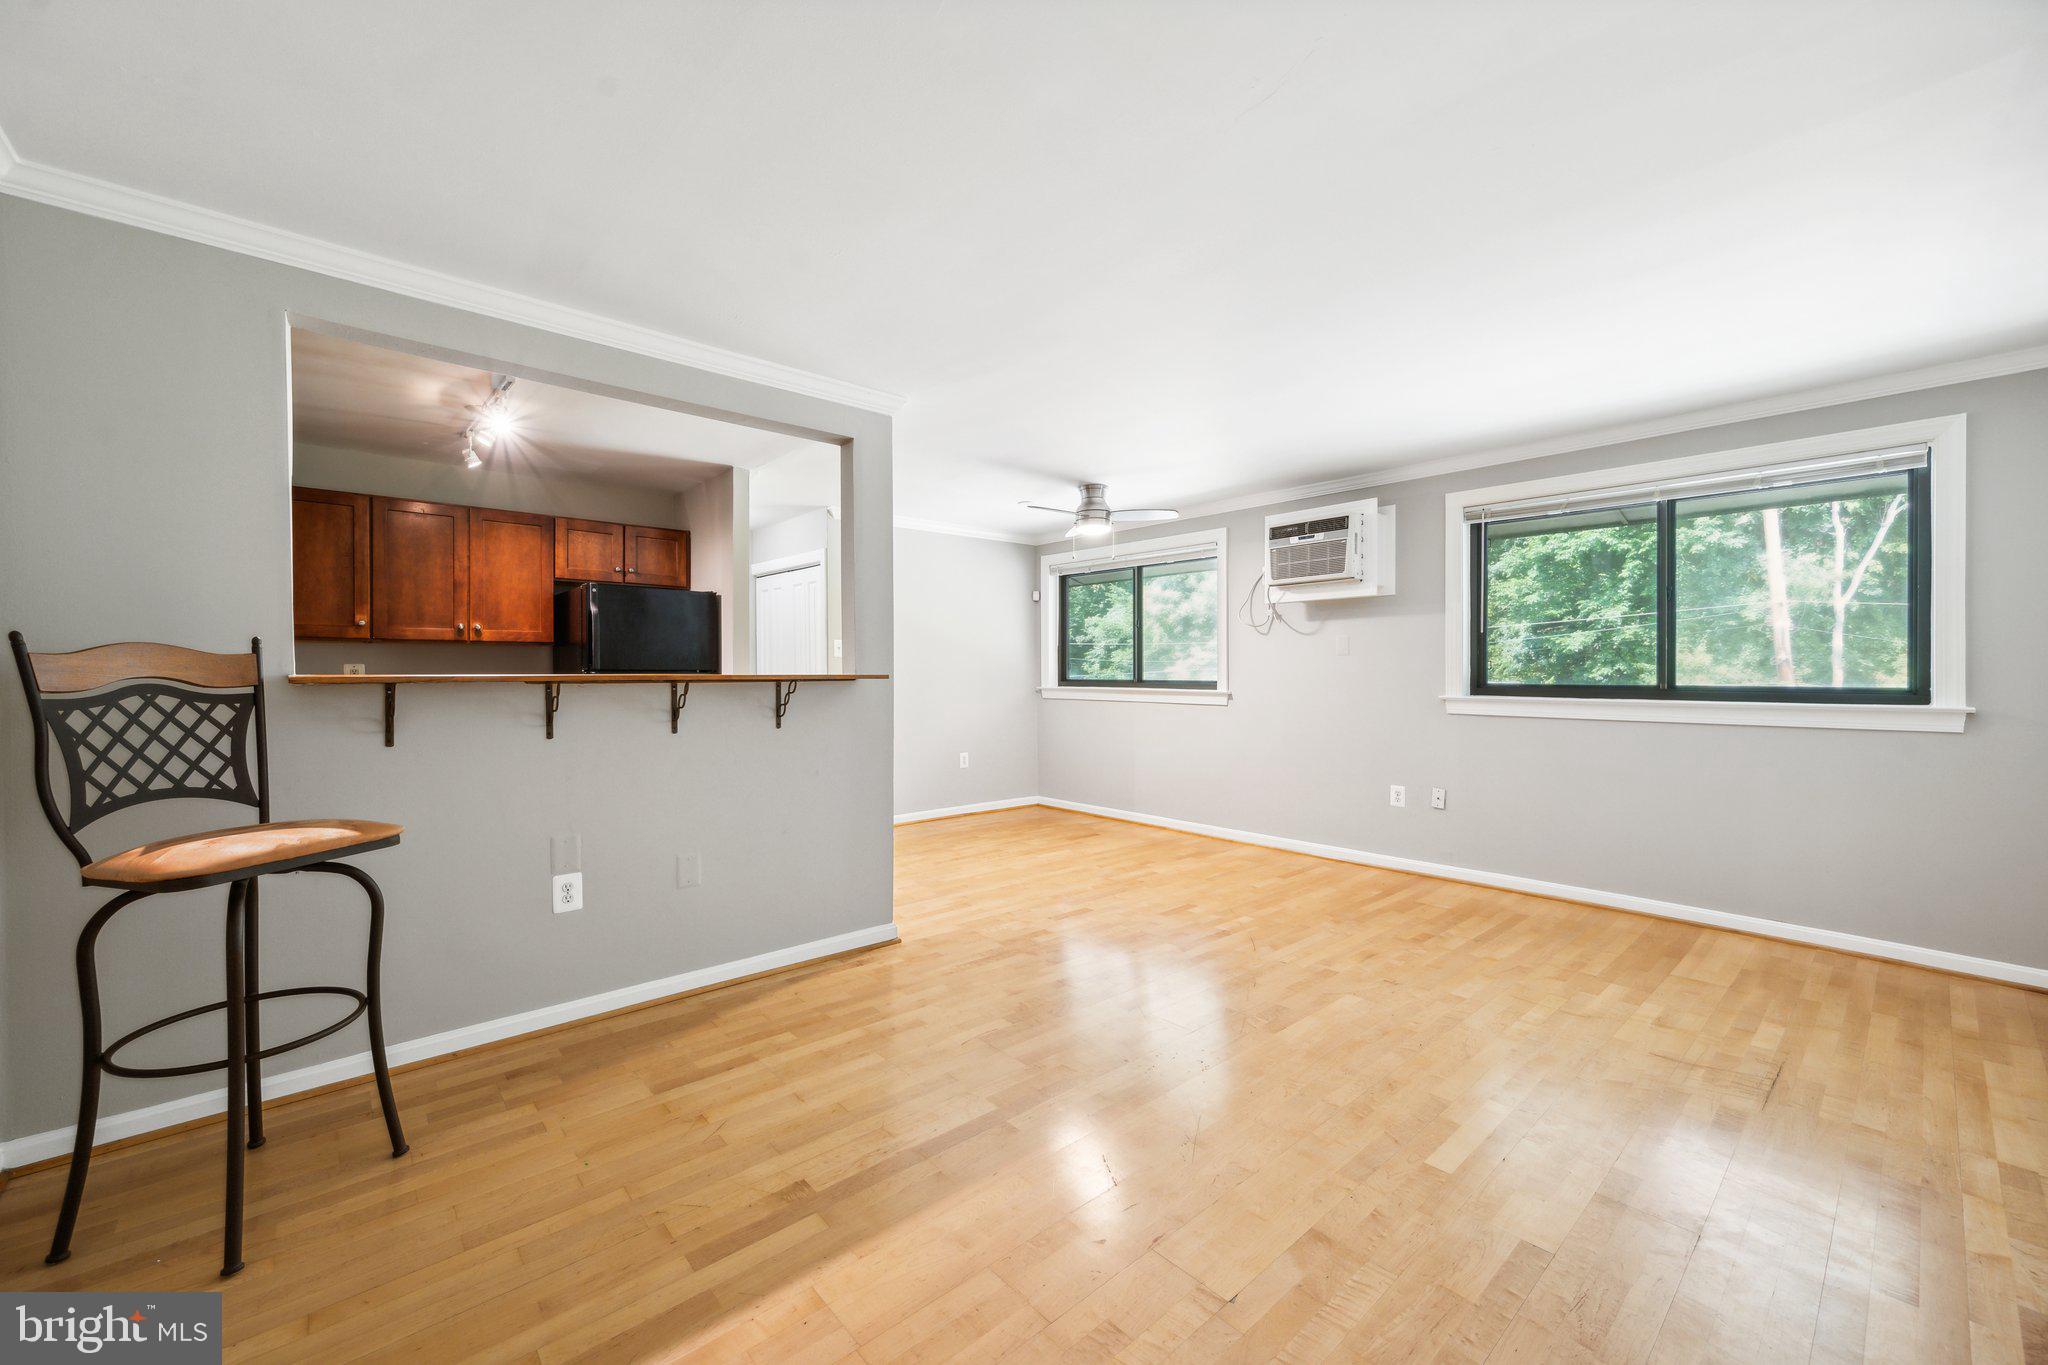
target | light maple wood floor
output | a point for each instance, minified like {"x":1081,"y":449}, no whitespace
{"x":1127,"y":1093}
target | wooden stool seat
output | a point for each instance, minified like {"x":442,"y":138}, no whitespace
{"x":221,"y":855}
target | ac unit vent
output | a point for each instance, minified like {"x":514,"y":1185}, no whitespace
{"x":1316,"y":559}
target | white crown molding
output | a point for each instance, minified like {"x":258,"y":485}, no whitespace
{"x":1804,"y":400}
{"x":139,"y":208}
{"x":947,"y":528}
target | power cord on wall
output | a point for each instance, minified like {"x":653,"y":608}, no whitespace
{"x":1265,"y":627}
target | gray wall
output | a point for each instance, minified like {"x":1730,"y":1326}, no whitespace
{"x":1927,"y":839}
{"x":144,"y":442}
{"x":966,"y":646}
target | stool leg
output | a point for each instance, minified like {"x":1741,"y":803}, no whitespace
{"x":88,"y":1078}
{"x":373,"y":990}
{"x":231,"y":1236}
{"x":253,"y":1026}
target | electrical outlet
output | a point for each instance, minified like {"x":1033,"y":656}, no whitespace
{"x":963,"y":760}
{"x":354,"y":670}
{"x":689,"y":870}
{"x":1436,"y":798}
{"x":838,"y":649}
{"x":1397,"y":796}
{"x":568,"y":892}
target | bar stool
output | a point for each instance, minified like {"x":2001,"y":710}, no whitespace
{"x":128,"y":734}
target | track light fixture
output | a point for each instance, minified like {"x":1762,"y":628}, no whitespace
{"x":493,"y":420}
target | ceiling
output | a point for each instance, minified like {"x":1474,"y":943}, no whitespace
{"x":362,"y":397}
{"x":1188,"y":247}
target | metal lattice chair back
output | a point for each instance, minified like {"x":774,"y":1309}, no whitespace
{"x":128,"y":733}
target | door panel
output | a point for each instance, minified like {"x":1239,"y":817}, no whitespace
{"x":789,"y":621}
{"x":419,"y":583}
{"x":590,"y":551}
{"x":330,"y":565}
{"x":511,"y":576}
{"x":657,"y":556}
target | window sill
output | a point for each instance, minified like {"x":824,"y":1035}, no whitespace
{"x":1797,"y":715}
{"x":1172,"y":696}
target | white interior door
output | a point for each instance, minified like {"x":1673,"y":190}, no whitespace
{"x":789,"y":621}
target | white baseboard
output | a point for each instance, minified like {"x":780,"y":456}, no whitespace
{"x":23,"y":1151}
{"x":1007,"y":803}
{"x":2015,"y":973}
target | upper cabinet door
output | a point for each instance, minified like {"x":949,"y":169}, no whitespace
{"x":511,"y":576}
{"x":420,"y":583}
{"x":330,"y":565}
{"x":657,"y":556}
{"x":590,"y":551}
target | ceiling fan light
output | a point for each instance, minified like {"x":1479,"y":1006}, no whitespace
{"x":1088,"y":526}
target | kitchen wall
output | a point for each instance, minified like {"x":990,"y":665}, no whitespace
{"x":967,"y":651}
{"x":1925,"y":839}
{"x":145,"y":457}
{"x":716,"y":513}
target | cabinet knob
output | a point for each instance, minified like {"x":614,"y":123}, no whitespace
{"x":362,"y":620}
{"x":618,"y":568}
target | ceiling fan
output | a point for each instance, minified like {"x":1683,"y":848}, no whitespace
{"x":1095,"y":517}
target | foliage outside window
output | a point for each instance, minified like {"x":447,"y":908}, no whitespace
{"x":1814,"y":592}
{"x":1150,"y":625}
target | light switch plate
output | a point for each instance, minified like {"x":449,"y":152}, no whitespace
{"x":568,"y":892}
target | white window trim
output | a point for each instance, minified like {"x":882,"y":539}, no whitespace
{"x":1150,"y":550}
{"x":1946,"y":439}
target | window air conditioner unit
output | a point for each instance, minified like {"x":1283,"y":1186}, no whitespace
{"x":1344,"y":550}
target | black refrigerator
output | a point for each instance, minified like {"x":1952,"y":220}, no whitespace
{"x":627,"y":628}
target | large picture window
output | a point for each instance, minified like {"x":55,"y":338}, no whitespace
{"x":1146,"y":625}
{"x":1786,"y":585}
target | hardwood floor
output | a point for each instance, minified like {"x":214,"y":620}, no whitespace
{"x":1127,"y":1093}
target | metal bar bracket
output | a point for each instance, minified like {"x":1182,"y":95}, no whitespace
{"x":390,"y":715}
{"x":783,"y":692}
{"x":677,"y":700}
{"x":554,"y":704}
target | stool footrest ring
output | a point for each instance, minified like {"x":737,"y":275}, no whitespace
{"x":106,"y":1058}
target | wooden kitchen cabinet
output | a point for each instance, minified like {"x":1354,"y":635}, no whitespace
{"x":511,"y":576}
{"x":330,"y":565}
{"x":657,"y":556}
{"x":590,"y":551}
{"x":419,"y":582}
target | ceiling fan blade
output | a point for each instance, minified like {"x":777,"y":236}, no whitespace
{"x":1143,"y":514}
{"x":1041,"y":507}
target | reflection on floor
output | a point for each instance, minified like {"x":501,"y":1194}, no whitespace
{"x":1127,"y":1092}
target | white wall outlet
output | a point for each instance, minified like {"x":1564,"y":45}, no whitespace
{"x":568,"y":892}
{"x":354,"y":670}
{"x":963,"y":760}
{"x":689,"y":870}
{"x":838,"y":649}
{"x":1397,"y":796}
{"x":1436,"y":798}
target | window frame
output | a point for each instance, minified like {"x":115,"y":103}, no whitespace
{"x":1667,"y":687}
{"x":1136,"y":573}
{"x":1934,"y":698}
{"x":1133,"y":555}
